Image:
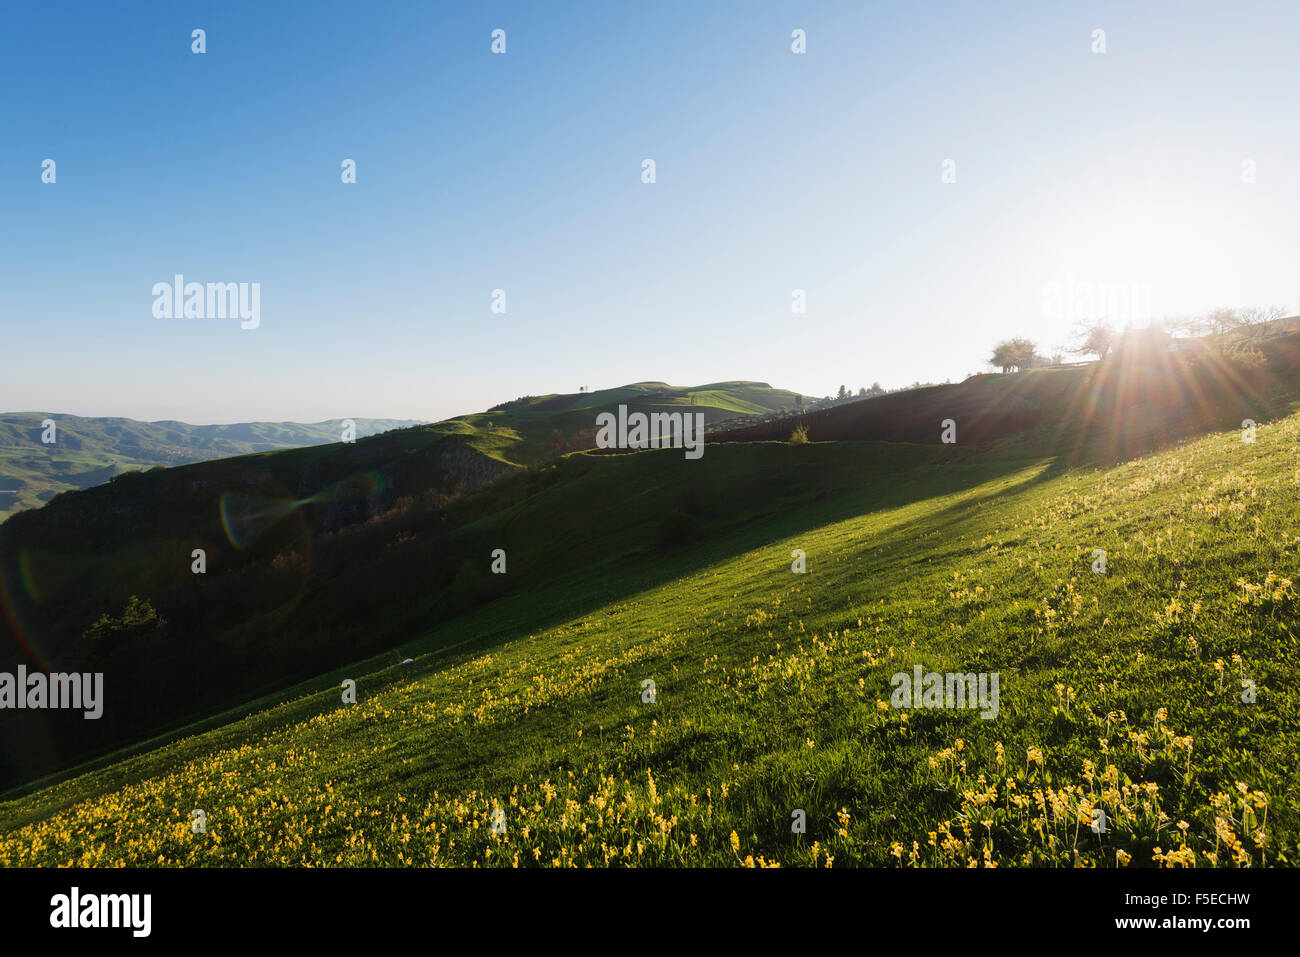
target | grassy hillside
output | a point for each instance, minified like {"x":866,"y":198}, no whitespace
{"x":530,"y":429}
{"x":305,"y":551}
{"x":90,"y":451}
{"x":1119,"y":690}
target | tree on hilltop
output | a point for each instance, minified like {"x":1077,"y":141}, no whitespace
{"x":1095,"y":339}
{"x":1012,"y":355}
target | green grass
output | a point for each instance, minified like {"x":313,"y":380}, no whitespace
{"x":523,"y":432}
{"x":282,"y":599}
{"x":1120,"y":690}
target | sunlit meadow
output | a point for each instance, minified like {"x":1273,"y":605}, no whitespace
{"x":1119,"y":691}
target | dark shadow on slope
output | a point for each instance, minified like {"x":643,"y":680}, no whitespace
{"x":593,"y":532}
{"x":349,"y":570}
{"x":584,"y":590}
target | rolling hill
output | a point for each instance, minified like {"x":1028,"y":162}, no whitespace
{"x":89,"y":451}
{"x":298,"y":544}
{"x":524,"y":731}
{"x":531,"y":429}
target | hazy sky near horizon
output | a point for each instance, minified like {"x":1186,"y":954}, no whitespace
{"x":1165,"y":171}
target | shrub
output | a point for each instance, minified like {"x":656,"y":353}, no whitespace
{"x":109,"y":634}
{"x":799,"y":436}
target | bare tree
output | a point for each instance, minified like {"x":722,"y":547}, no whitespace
{"x":1223,"y":320}
{"x":1255,"y":317}
{"x":1094,"y":339}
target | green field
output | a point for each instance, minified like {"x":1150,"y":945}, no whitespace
{"x":519,"y":734}
{"x":305,"y":549}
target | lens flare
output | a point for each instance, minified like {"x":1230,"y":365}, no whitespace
{"x":9,"y":606}
{"x":246,"y":518}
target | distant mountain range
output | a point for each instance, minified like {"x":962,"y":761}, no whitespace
{"x":89,"y":451}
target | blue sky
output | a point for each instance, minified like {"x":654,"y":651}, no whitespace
{"x":522,"y":171}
